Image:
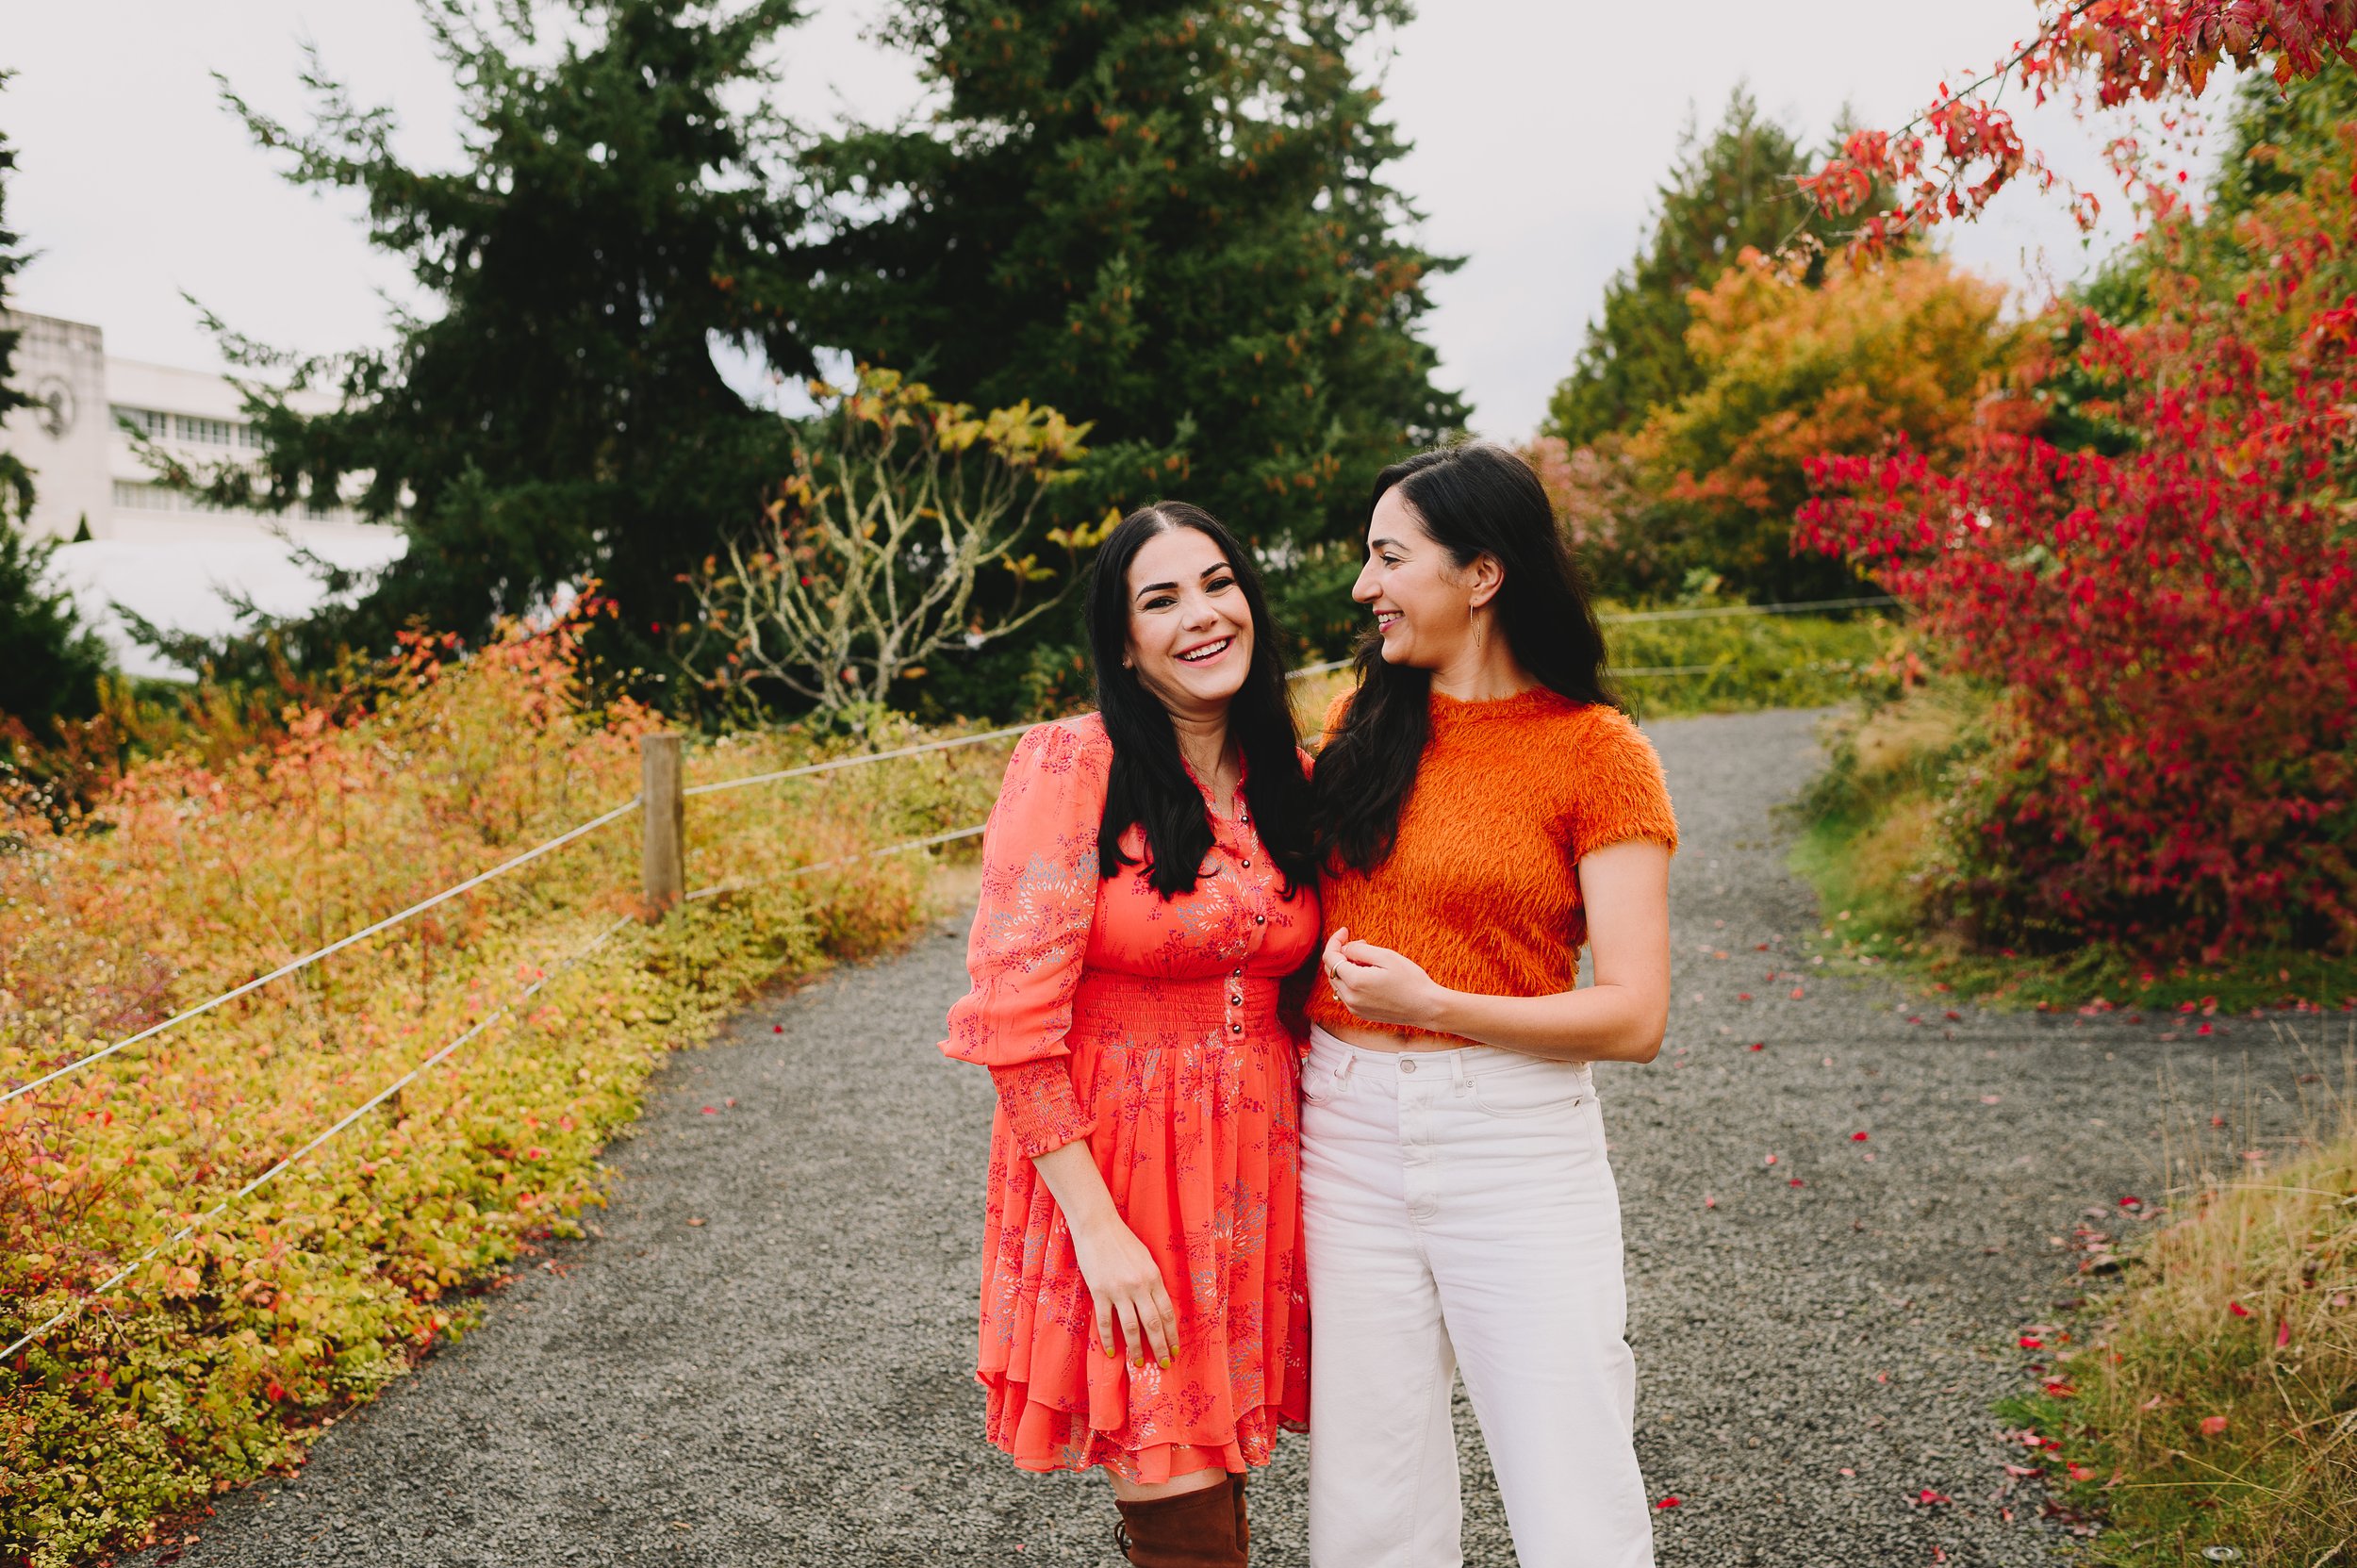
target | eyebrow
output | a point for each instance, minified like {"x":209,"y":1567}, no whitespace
{"x":1173,"y":587}
{"x":1378,"y":544}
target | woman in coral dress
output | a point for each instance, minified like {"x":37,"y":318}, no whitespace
{"x":1147,"y":886}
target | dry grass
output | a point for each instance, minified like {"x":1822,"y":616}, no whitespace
{"x":2215,"y":1402}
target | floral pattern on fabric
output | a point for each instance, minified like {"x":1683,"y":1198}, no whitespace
{"x":1151,"y":1027}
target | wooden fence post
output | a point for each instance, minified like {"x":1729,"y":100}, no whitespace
{"x":663,"y":813}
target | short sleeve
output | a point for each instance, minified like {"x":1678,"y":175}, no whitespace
{"x":1621,"y":793}
{"x":1031,"y":931}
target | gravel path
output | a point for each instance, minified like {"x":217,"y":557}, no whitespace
{"x":1818,"y":1339}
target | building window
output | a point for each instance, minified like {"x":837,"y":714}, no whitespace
{"x":145,"y":498}
{"x":205,"y":431}
{"x":147,"y":422}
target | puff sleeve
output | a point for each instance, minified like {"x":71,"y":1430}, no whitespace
{"x":1621,"y":794}
{"x":1031,"y":931}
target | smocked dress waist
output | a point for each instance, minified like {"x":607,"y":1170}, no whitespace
{"x":1114,"y":1008}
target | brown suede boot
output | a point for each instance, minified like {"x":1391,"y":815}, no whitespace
{"x":1194,"y":1529}
{"x":1244,"y":1526}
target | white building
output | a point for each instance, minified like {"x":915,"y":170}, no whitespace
{"x":158,"y":551}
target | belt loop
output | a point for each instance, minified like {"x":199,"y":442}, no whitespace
{"x":1457,"y":1071}
{"x":1344,"y":1077}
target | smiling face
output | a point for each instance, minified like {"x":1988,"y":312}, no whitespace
{"x":1190,"y":629}
{"x":1424,"y":601}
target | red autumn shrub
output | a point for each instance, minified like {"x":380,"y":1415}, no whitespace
{"x":2173,"y":631}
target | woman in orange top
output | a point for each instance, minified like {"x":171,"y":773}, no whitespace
{"x":1147,"y":884}
{"x":1482,"y":809}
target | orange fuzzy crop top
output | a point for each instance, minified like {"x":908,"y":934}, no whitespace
{"x":1483,"y":887}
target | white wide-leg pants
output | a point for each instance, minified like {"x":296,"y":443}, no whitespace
{"x":1460,"y":1216}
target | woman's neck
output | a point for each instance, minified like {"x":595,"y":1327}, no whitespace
{"x":1203,"y":741}
{"x":1483,"y":671}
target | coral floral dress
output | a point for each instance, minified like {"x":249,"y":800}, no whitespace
{"x":1150,"y":1028}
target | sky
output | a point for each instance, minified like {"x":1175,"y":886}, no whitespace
{"x":1541,"y":129}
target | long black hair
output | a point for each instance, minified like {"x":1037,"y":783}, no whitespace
{"x":1150,"y":782}
{"x":1474,"y":499}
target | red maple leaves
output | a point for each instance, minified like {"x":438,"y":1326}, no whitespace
{"x":1964,"y":147}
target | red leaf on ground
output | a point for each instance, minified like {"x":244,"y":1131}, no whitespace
{"x":2238,"y":1309}
{"x":1670,"y":1501}
{"x":2213,"y":1424}
{"x":1858,"y":1138}
{"x":1742,"y":996}
{"x":2030,"y":1342}
{"x":1928,"y":1499}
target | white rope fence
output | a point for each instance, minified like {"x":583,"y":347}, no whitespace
{"x":337,"y":946}
{"x":75,"y":1307}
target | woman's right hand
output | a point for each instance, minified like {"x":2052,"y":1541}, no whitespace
{"x":1126,"y":1286}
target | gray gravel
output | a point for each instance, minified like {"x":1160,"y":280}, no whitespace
{"x":788,"y":1383}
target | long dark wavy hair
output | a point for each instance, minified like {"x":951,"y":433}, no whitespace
{"x":1150,"y":782}
{"x":1474,"y":499}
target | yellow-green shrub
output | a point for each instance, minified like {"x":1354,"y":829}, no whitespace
{"x":209,"y":1364}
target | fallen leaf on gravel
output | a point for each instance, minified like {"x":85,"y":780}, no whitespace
{"x":2023,"y":1472}
{"x":777,"y":1029}
{"x":1858,"y":1138}
{"x":1847,"y":1471}
{"x":2030,"y":1342}
{"x":1798,"y":992}
{"x":2079,"y":1471}
{"x":1771,"y":1160}
{"x":1991,"y":1099}
{"x":1670,"y":1501}
{"x":1742,"y":996}
{"x":709,"y":1111}
{"x":1709,"y":1202}
{"x":1928,"y":1499}
{"x":1758,"y":1045}
{"x":696,"y":1222}
{"x":1954,"y":1016}
{"x":729,"y":1103}
{"x":1794,"y":1182}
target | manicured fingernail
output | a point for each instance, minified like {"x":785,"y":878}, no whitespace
{"x":1165,"y":1364}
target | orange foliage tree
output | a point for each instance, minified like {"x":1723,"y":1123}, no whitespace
{"x":1914,"y":349}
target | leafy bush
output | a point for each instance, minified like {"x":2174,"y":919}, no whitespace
{"x":213,"y":1362}
{"x":2172,"y":625}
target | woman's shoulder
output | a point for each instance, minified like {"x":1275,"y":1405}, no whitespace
{"x":1069,"y":750}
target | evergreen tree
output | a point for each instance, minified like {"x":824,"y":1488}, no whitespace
{"x":1732,"y":190}
{"x":559,"y":413}
{"x":49,"y":662}
{"x":1167,"y":218}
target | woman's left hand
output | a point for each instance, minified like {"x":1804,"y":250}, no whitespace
{"x":1378,"y":985}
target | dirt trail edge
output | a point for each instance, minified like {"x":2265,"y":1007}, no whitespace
{"x":1819,"y":1339}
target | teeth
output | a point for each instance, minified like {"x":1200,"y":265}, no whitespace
{"x":1205,"y":651}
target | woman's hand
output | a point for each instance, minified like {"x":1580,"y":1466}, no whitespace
{"x":1380,"y":985}
{"x":1127,"y":1287}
